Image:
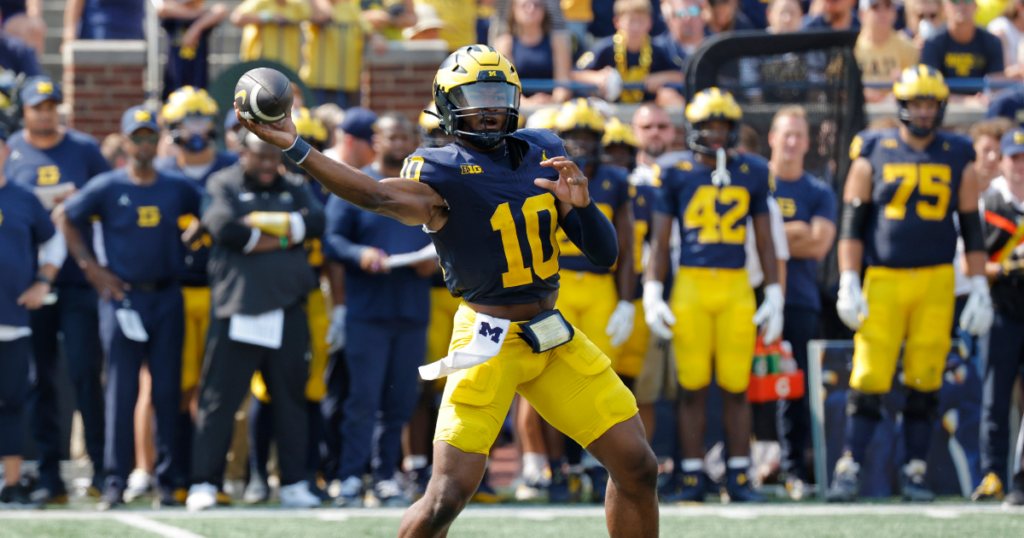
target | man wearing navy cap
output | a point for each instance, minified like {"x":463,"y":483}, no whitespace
{"x":355,"y":146}
{"x":24,"y":228}
{"x":1002,"y":206}
{"x":141,"y":309}
{"x":53,"y":161}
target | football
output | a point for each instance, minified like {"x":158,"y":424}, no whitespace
{"x":264,"y":95}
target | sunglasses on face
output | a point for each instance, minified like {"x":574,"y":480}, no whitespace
{"x":687,"y":12}
{"x":145,"y":139}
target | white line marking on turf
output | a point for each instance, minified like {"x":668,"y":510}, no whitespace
{"x":737,"y":514}
{"x":942,"y":514}
{"x":155,"y":527}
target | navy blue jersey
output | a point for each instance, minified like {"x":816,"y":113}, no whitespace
{"x":914,"y":194}
{"x":713,"y":220}
{"x":643,"y":197}
{"x":23,"y":225}
{"x":803,"y":200}
{"x":75,"y":160}
{"x":609,"y":188}
{"x":17,"y":56}
{"x":498,"y":246}
{"x":1008,"y":103}
{"x":982,"y":56}
{"x":112,"y":19}
{"x":382,"y":297}
{"x":140,"y":223}
{"x":197,"y":252}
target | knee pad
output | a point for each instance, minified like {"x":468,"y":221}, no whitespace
{"x":868,"y":406}
{"x":921,"y":405}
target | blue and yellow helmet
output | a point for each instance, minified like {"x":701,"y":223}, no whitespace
{"x":578,"y":114}
{"x":310,"y":128}
{"x":477,"y":80}
{"x":920,"y":82}
{"x":430,"y":129}
{"x":190,"y":115}
{"x":707,"y":105}
{"x":618,"y":133}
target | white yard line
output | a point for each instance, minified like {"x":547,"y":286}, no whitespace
{"x":155,"y":527}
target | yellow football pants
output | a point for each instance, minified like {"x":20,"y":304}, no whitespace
{"x":912,"y":304}
{"x":587,"y":300}
{"x":197,"y":321}
{"x":714,"y":311}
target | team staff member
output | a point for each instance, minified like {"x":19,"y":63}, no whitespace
{"x":1003,"y":206}
{"x":141,"y":307}
{"x":25,"y":227}
{"x":712,"y":190}
{"x":54,"y":161}
{"x":189,"y":116}
{"x":809,"y":211}
{"x":902,"y":190}
{"x":259,"y":278}
{"x":485,"y":227}
{"x":387,"y":315}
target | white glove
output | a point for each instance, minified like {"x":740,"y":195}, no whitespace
{"x":977,"y":315}
{"x":770,"y":313}
{"x":620,"y":325}
{"x":851,"y":306}
{"x":336,"y":330}
{"x":657,"y":313}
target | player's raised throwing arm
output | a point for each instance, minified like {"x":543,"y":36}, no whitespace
{"x":407,"y":201}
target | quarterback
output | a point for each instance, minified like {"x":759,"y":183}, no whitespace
{"x":492,"y":203}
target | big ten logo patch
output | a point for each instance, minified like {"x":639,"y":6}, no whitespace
{"x":149,"y":216}
{"x":48,"y":175}
{"x":471,"y":169}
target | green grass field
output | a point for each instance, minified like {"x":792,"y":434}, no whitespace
{"x":773,"y":521}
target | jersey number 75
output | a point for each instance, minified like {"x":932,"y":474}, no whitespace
{"x":930,"y":179}
{"x":503,"y":221}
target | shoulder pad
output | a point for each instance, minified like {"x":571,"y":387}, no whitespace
{"x":864,"y":143}
{"x":544,"y":138}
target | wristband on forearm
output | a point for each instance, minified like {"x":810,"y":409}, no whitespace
{"x":299,"y":150}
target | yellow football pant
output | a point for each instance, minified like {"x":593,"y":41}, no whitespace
{"x":587,"y":300}
{"x":572,"y":387}
{"x":912,"y":304}
{"x":197,"y":321}
{"x":714,"y":311}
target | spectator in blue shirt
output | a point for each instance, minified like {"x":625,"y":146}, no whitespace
{"x":16,"y":56}
{"x":387,"y":313}
{"x":104,"y":19}
{"x":725,"y":16}
{"x":24,"y":20}
{"x":685,"y":31}
{"x":960,"y":49}
{"x":1008,"y":103}
{"x":837,"y":15}
{"x":536,"y":50}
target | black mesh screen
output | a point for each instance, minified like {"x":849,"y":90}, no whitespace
{"x":766,"y":72}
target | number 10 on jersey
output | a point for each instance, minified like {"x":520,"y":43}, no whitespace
{"x":502,"y":220}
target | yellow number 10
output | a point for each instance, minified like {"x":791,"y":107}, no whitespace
{"x":502,"y":221}
{"x":928,"y":178}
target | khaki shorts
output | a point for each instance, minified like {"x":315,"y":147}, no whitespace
{"x":657,"y":377}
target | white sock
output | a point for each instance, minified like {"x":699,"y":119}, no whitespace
{"x":692,"y":465}
{"x":738,"y":463}
{"x":533,"y":466}
{"x":414,"y":463}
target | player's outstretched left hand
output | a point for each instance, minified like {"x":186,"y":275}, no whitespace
{"x":281,"y":134}
{"x":769,"y":315}
{"x":977,"y":315}
{"x":571,"y":186}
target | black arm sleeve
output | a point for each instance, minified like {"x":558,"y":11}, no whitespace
{"x":852,"y":220}
{"x":593,"y":233}
{"x":970,"y":230}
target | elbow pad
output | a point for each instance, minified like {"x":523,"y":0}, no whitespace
{"x":853,"y":220}
{"x":970,"y":230}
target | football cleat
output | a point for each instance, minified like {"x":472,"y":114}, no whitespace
{"x":1014,"y":499}
{"x":485,"y":494}
{"x":912,"y":483}
{"x":113,"y":497}
{"x":351,"y":495}
{"x":990,"y":489}
{"x":692,"y":487}
{"x":844,"y":482}
{"x":739,"y":489}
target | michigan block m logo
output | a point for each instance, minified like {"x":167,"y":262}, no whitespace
{"x":493,"y":332}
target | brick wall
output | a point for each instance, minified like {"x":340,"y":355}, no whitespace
{"x":400,"y":79}
{"x":102,"y":79}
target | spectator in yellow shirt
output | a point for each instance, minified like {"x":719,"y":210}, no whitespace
{"x":881,"y":52}
{"x":271,"y":30}
{"x":333,"y":52}
{"x":389,"y":17}
{"x":460,"y":15}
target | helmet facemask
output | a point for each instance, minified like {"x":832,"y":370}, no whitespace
{"x":194,"y":133}
{"x":481,"y":113}
{"x":702,"y":138}
{"x":582,"y":146}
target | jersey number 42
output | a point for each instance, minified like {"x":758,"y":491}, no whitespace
{"x":702,"y":212}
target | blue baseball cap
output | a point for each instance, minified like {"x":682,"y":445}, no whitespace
{"x":359,"y":123}
{"x":40,"y":89}
{"x":1012,"y":142}
{"x":136,"y":118}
